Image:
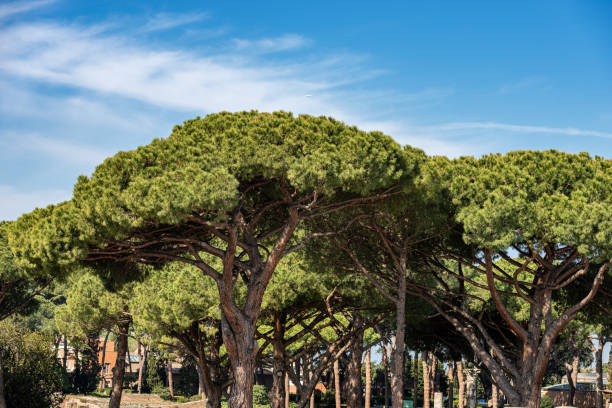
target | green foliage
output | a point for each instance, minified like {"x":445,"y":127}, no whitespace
{"x":156,"y":373}
{"x":546,"y":402}
{"x":201,"y":168}
{"x":32,"y":377}
{"x":545,"y":196}
{"x":261,"y":395}
{"x":171,"y":299}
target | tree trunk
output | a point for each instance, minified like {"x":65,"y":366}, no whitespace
{"x":209,"y":381}
{"x":494,"y":396}
{"x":398,"y":353}
{"x":435,"y":374}
{"x":571,"y":372}
{"x":102,"y":383}
{"x":2,"y":397}
{"x":471,"y":386}
{"x":599,"y":371}
{"x":354,"y":396}
{"x":239,"y":340}
{"x":337,"y":394}
{"x":312,"y":394}
{"x":142,"y":371}
{"x":426,"y":384}
{"x":170,"y":377}
{"x":119,"y":369}
{"x":461,"y":384}
{"x":415,"y":380}
{"x":368,"y":378}
{"x":65,"y":356}
{"x":287,"y":394}
{"x":451,"y":383}
{"x":129,"y":359}
{"x":277,"y":393}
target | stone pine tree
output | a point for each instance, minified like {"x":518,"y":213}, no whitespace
{"x":379,"y":243}
{"x":535,"y":224}
{"x":91,"y":307}
{"x":234,"y":186}
{"x":176,"y":302}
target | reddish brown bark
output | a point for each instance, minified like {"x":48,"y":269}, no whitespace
{"x":277,"y":392}
{"x":119,"y":369}
{"x":353,"y":386}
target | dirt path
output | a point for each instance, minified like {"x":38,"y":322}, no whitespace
{"x":128,"y":400}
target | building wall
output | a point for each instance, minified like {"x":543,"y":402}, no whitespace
{"x":582,"y":399}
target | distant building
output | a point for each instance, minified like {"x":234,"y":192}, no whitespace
{"x":585,"y":391}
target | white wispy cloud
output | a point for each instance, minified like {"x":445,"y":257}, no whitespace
{"x":166,"y":21}
{"x":521,"y":84}
{"x":14,"y":202}
{"x":87,"y":59}
{"x":462,"y":126}
{"x":9,"y":9}
{"x":267,"y":45}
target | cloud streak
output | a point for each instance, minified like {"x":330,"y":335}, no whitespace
{"x":165,"y":21}
{"x":9,"y":9}
{"x":268,"y":45}
{"x":461,"y":126}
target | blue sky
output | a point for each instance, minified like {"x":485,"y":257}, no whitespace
{"x":81,"y":80}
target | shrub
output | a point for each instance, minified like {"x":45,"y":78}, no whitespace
{"x":260,"y":395}
{"x":32,"y":376}
{"x":162,"y":392}
{"x":546,"y":402}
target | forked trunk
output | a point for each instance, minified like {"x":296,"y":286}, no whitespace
{"x":119,"y":369}
{"x":461,"y":384}
{"x":571,"y":372}
{"x":368,"y":379}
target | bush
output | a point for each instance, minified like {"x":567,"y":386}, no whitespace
{"x":32,"y":376}
{"x":162,"y":392}
{"x":546,"y":402}
{"x":260,"y":395}
{"x":196,"y":397}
